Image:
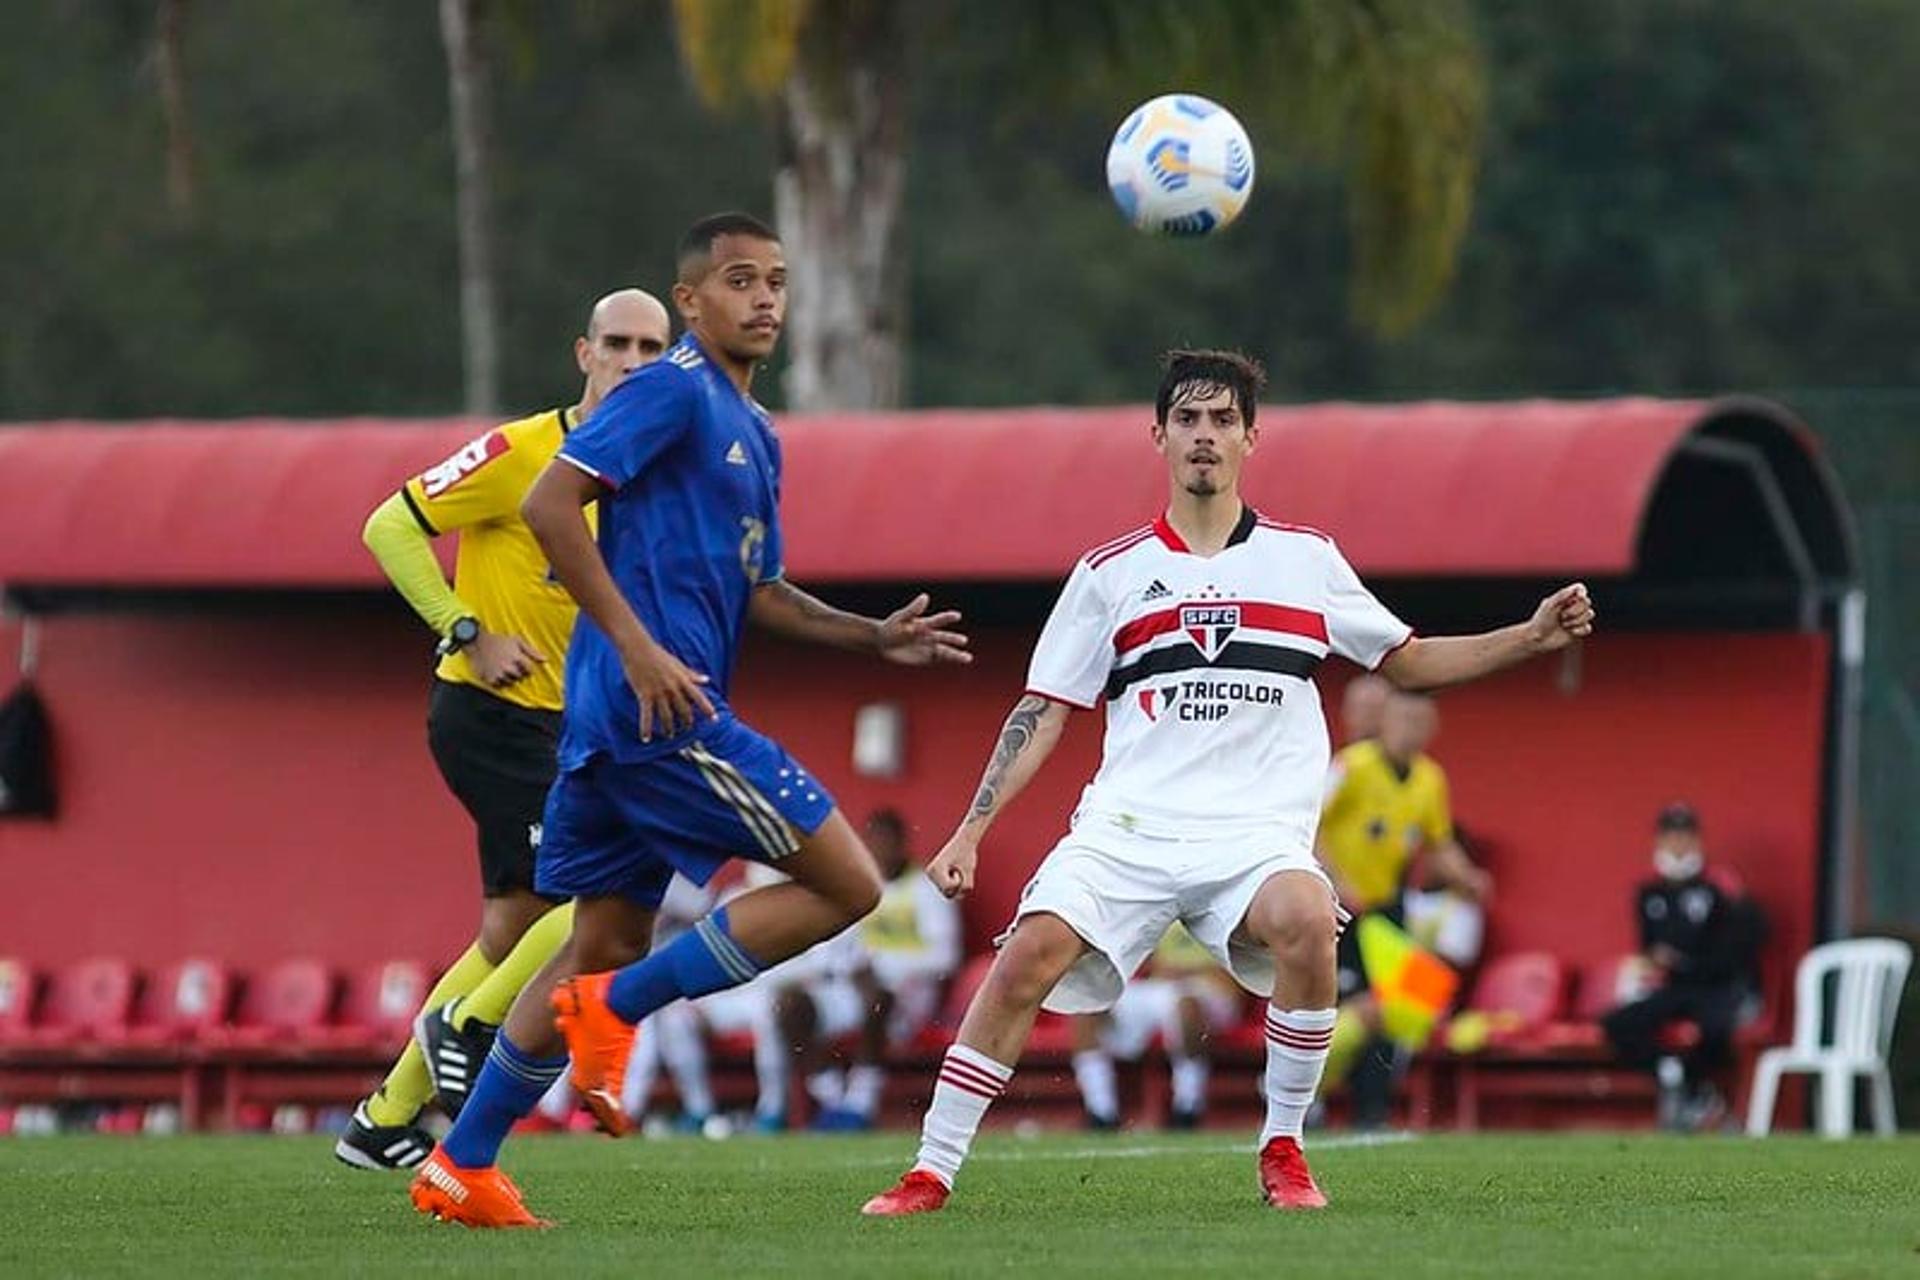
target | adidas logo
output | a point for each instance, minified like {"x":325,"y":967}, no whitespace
{"x":737,"y":455}
{"x":1156,"y":590}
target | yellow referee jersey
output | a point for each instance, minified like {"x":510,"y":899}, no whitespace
{"x":499,"y":569}
{"x":1377,"y":818}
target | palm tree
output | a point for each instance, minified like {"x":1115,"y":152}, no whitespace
{"x":1391,"y":91}
{"x":834,"y":72}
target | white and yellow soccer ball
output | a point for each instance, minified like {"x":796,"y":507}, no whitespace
{"x":1180,"y":165}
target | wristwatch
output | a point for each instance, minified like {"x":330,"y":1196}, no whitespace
{"x":462,"y":633}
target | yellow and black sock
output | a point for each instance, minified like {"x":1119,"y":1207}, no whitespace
{"x":490,"y":1000}
{"x":407,"y":1087}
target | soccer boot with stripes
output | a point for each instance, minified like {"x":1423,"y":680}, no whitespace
{"x":600,"y":1042}
{"x":454,"y":1054}
{"x":366,"y":1145}
{"x":471,"y":1197}
{"x":1285,"y":1180}
{"x":917,"y":1192}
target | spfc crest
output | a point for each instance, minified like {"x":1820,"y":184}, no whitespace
{"x":1210,"y":626}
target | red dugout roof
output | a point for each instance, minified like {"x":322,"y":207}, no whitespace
{"x":1527,"y":489}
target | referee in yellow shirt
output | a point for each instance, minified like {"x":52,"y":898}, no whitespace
{"x":1387,"y":803}
{"x":493,"y":717}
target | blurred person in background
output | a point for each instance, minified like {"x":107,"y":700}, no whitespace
{"x":493,"y":717}
{"x":1363,"y":705}
{"x":1387,"y":805}
{"x":1184,"y":997}
{"x":882,"y":980}
{"x":1698,"y":950}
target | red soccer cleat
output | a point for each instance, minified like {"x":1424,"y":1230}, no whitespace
{"x":600,"y":1044}
{"x":470,"y":1197}
{"x":1285,"y":1180}
{"x":918,"y":1192}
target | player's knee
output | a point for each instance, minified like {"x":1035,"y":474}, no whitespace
{"x":1030,"y":964}
{"x":1299,"y":932}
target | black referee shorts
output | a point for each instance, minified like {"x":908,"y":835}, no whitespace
{"x":498,"y":759}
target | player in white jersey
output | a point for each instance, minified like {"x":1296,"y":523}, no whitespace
{"x":1199,"y":634}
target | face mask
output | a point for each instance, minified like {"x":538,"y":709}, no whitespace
{"x":1678,"y":866}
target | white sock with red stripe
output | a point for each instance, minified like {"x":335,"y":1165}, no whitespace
{"x":969,"y":1082}
{"x":1297,"y":1043}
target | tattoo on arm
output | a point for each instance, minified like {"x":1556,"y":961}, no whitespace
{"x":1015,"y":736}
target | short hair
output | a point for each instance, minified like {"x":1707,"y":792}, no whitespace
{"x":1191,"y":373}
{"x":889,"y":820}
{"x":695,"y":255}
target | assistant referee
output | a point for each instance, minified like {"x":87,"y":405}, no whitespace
{"x":493,"y":716}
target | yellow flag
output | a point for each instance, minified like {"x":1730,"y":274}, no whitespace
{"x":1412,"y":985}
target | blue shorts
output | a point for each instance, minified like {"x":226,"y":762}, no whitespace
{"x":614,"y":827}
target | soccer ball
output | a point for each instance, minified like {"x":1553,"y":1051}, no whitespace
{"x":1180,"y":165}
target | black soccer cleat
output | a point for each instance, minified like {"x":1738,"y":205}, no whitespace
{"x":366,"y":1145}
{"x":454,"y":1056}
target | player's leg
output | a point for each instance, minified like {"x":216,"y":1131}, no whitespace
{"x":460,"y":1181}
{"x":867,"y":1075}
{"x":1293,"y":916}
{"x":1196,"y":1015}
{"x":796,"y":1012}
{"x":1093,"y":1069}
{"x":977,"y":1066}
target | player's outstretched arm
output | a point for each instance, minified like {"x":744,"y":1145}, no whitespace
{"x":668,"y":690}
{"x":1437,"y":661}
{"x":908,"y":635}
{"x":1031,"y":731}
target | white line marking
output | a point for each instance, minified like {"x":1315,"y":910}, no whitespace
{"x":1336,"y":1142}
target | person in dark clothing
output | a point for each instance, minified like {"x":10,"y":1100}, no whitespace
{"x":1699,"y":942}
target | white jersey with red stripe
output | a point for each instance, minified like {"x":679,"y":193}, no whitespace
{"x":1205,"y":667}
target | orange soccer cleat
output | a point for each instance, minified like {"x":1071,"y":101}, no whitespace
{"x":471,"y":1197}
{"x":600,"y":1043}
{"x":1285,"y":1180}
{"x":918,"y":1192}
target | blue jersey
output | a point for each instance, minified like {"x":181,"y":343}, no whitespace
{"x":690,"y":525}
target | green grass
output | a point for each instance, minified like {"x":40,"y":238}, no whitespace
{"x":1515,"y":1207}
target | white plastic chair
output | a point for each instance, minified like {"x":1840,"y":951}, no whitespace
{"x":1871,"y":973}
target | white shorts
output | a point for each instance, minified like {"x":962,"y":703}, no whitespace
{"x":1151,"y":1006}
{"x":842,"y":1010}
{"x":1121,"y":891}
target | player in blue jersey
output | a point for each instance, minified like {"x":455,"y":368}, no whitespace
{"x":657,"y":775}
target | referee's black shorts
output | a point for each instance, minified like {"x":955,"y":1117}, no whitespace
{"x":498,"y":759}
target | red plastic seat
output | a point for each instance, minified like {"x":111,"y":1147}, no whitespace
{"x":288,"y":1003}
{"x":380,"y":1003}
{"x":182,"y":1002}
{"x":17,"y":989}
{"x":90,"y":1000}
{"x":1529,"y":986}
{"x":1601,"y":986}
{"x":965,"y":985}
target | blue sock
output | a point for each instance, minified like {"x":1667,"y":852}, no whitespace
{"x":511,"y":1084}
{"x":703,"y":959}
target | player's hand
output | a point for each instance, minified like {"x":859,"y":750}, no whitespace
{"x":915,"y":638}
{"x":671,"y":699}
{"x":1563,"y":617}
{"x":499,"y":660}
{"x":952,"y":868}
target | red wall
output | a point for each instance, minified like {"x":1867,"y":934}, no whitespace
{"x":259,"y":787}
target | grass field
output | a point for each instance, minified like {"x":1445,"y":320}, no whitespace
{"x":1058,"y":1205}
